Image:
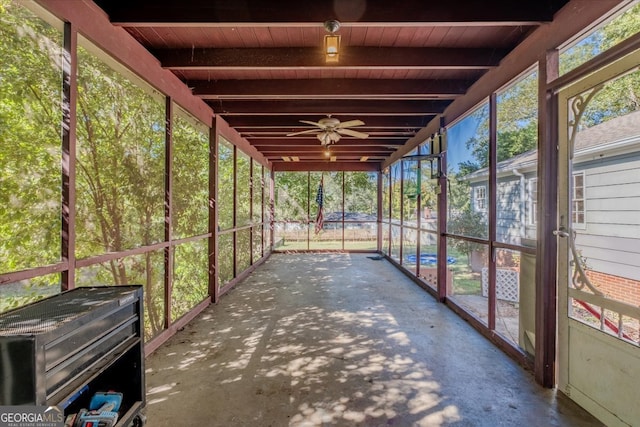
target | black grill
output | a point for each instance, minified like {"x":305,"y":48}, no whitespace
{"x":63,"y":308}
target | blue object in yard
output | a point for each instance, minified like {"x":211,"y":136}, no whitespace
{"x":426,"y":259}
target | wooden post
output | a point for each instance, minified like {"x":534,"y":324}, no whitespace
{"x":546,"y":286}
{"x":69,"y":97}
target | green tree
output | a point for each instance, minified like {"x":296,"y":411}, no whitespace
{"x":621,"y":96}
{"x":471,"y":224}
{"x":120,"y":179}
{"x":190,"y":177}
{"x":292,"y":196}
{"x":30,"y":145}
{"x":30,"y":151}
{"x":361,"y":192}
{"x":190,"y":197}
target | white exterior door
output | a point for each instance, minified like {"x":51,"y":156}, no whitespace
{"x":599,"y":242}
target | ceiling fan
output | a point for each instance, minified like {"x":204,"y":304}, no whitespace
{"x":330,"y":129}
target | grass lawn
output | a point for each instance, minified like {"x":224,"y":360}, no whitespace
{"x":465,"y":281}
{"x":296,"y":245}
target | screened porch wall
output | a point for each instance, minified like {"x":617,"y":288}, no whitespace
{"x":349,"y":211}
{"x":123,"y":196}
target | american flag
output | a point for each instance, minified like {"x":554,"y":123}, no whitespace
{"x":320,"y":216}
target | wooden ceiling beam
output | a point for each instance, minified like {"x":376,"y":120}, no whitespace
{"x":311,"y":106}
{"x":318,"y":166}
{"x":329,"y":88}
{"x":292,"y":123}
{"x":372,"y":134}
{"x":351,"y":57}
{"x":338,"y":148}
{"x":270,"y":132}
{"x":313,"y":142}
{"x":384,"y":12}
{"x":338,"y":158}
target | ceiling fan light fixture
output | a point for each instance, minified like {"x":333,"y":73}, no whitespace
{"x":329,"y":130}
{"x":328,"y":137}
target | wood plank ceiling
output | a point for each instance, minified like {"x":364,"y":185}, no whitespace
{"x":260,"y":65}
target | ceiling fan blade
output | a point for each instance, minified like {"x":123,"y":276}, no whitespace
{"x":312,"y":123}
{"x":304,"y":132}
{"x":350,"y":124}
{"x":351,"y":132}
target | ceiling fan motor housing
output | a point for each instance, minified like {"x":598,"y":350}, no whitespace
{"x":329,"y":122}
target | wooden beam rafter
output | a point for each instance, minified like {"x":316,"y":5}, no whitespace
{"x":325,"y":165}
{"x":292,"y":123}
{"x":313,"y":142}
{"x":329,"y":88}
{"x":293,"y":12}
{"x":351,"y":57}
{"x":313,"y":106}
{"x":337,"y":148}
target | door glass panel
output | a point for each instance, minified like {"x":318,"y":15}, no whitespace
{"x":606,"y":35}
{"x":604,"y":134}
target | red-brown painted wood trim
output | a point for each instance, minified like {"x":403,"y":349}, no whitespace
{"x":326,"y":166}
{"x":370,"y":122}
{"x":310,"y":58}
{"x":168,"y":211}
{"x":70,"y":95}
{"x":547,"y":246}
{"x":493,"y":198}
{"x":16,"y":276}
{"x":208,"y":13}
{"x":212,"y":245}
{"x":329,"y":88}
{"x":306,"y":107}
{"x":122,"y":254}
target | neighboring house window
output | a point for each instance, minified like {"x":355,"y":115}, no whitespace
{"x":480,"y":197}
{"x":578,"y":207}
{"x":533,"y":201}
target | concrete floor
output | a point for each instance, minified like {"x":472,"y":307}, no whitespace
{"x":340,"y":339}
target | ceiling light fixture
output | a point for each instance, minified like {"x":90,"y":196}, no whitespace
{"x":332,"y":42}
{"x":327,"y":137}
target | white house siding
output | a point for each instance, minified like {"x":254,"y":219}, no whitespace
{"x":512,"y":212}
{"x":509,"y":213}
{"x":610,"y":241}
